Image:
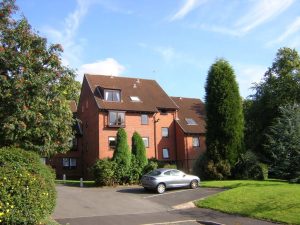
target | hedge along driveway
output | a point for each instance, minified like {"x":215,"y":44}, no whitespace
{"x":270,"y":200}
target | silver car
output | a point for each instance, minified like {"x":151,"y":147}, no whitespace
{"x":161,"y":179}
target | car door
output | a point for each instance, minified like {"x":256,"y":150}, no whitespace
{"x":178,"y":178}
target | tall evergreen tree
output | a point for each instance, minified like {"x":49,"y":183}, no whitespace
{"x":138,"y":150}
{"x":279,"y":87}
{"x":224,"y":123}
{"x":122,"y":156}
{"x":34,"y":88}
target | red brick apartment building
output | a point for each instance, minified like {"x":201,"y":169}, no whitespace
{"x":173,"y":128}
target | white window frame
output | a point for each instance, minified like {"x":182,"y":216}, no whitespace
{"x":193,"y":142}
{"x":112,"y":138}
{"x":147,"y":141}
{"x":165,"y":153}
{"x":162,"y":132}
{"x":117,"y":123}
{"x":115,"y":95}
{"x":145,"y":116}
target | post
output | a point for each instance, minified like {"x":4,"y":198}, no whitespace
{"x":64,"y":178}
{"x":81,"y":182}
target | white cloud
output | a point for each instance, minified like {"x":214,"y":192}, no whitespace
{"x":262,"y":12}
{"x":167,"y":53}
{"x":293,"y":28}
{"x":108,"y":66}
{"x":247,"y":75}
{"x":186,"y":8}
{"x":67,"y":35}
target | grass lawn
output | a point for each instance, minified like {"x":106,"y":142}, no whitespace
{"x":271,"y":200}
{"x":76,"y":183}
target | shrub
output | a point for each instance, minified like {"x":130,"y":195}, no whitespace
{"x":248,"y":167}
{"x":135,"y":171}
{"x":152,"y":165}
{"x":27,"y":189}
{"x":104,"y":172}
{"x":209,"y":170}
{"x":168,"y":166}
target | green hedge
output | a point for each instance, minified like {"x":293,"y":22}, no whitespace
{"x":27,"y":189}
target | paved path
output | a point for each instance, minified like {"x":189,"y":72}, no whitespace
{"x":134,"y":206}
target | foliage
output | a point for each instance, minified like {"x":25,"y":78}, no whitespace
{"x":34,"y":88}
{"x":269,"y":200}
{"x":280,"y":86}
{"x":135,"y":171}
{"x":122,"y":157}
{"x":207,"y":169}
{"x":152,"y":165}
{"x":224,"y":123}
{"x":283,"y":142}
{"x":169,"y":166}
{"x":139,"y":151}
{"x":27,"y":193}
{"x":248,"y":167}
{"x":104,"y":172}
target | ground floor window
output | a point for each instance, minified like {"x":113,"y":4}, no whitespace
{"x":112,"y":143}
{"x":69,"y":163}
{"x":146,"y":142}
{"x":165,"y":152}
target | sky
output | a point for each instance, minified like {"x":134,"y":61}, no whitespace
{"x":171,"y":41}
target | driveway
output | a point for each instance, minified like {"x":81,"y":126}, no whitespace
{"x":133,"y":205}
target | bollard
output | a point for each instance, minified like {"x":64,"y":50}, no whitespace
{"x":81,"y":182}
{"x":64,"y":178}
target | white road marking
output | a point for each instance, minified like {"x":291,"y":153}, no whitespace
{"x":173,"y":222}
{"x":167,"y":193}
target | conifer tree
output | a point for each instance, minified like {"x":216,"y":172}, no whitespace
{"x":224,"y":123}
{"x":122,"y":156}
{"x":139,"y":151}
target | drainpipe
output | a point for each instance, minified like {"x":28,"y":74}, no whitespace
{"x":175,"y":137}
{"x":155,"y":147}
{"x":187,"y":153}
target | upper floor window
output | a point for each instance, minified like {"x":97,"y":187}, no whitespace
{"x":144,"y":119}
{"x":196,"y":142}
{"x":112,"y":95}
{"x":190,"y":121}
{"x":116,"y":119}
{"x":165,"y":132}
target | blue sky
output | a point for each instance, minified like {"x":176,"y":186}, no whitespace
{"x":172,"y":41}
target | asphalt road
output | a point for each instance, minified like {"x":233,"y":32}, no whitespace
{"x":134,"y":206}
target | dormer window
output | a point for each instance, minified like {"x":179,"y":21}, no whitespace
{"x":190,"y":121}
{"x":112,"y":95}
{"x":135,"y":99}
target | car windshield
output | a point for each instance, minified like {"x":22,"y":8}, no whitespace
{"x":154,"y":173}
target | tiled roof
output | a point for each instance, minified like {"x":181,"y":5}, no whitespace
{"x":191,"y":108}
{"x":73,"y":106}
{"x":152,"y":96}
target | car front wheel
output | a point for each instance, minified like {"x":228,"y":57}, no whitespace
{"x":194,"y":184}
{"x":161,"y":188}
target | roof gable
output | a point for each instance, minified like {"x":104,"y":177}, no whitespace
{"x":190,"y":108}
{"x":152,"y":96}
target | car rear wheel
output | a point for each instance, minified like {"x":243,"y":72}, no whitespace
{"x":161,"y":188}
{"x":194,"y":184}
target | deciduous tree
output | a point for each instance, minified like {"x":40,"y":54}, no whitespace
{"x":34,"y":88}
